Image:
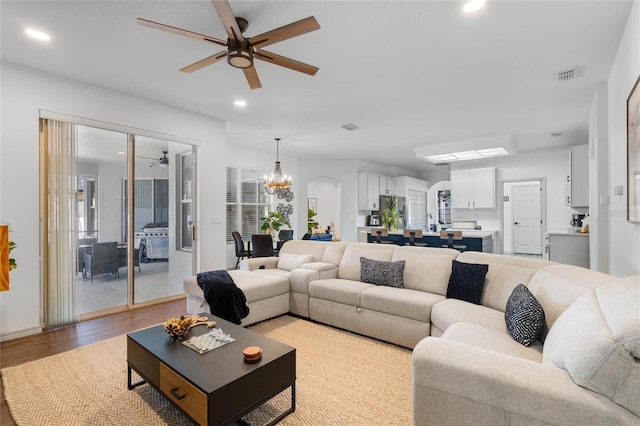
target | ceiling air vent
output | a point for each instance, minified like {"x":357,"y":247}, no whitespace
{"x":567,"y":75}
{"x":350,"y":127}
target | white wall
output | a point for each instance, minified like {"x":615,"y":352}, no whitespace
{"x":552,"y":164}
{"x":624,"y":237}
{"x":24,"y":93}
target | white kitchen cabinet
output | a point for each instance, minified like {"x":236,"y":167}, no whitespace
{"x":386,"y":185}
{"x":473,"y":188}
{"x":577,"y":186}
{"x":402,"y":185}
{"x":368,"y":191}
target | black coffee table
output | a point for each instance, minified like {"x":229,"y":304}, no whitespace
{"x":218,"y":387}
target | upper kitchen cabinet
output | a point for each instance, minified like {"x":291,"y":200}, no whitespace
{"x":577,"y":187}
{"x":368,"y":191}
{"x":386,"y":185}
{"x":473,"y":188}
{"x":402,"y":185}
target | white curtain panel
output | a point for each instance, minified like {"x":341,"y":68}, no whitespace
{"x":59,"y":148}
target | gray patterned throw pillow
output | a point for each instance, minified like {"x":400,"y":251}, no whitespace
{"x":382,"y":273}
{"x":524,"y":315}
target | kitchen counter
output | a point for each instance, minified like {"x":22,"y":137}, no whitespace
{"x":567,"y":232}
{"x":474,"y":239}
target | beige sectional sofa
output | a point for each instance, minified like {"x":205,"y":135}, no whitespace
{"x":467,"y":369}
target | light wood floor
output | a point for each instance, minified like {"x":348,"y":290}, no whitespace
{"x":29,"y":348}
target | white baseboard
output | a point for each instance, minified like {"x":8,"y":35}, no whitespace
{"x":20,"y":333}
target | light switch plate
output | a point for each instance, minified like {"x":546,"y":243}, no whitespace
{"x":617,"y":190}
{"x":604,"y":200}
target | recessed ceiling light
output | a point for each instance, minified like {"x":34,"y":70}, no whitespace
{"x":473,"y":6}
{"x":121,"y":153}
{"x":240,"y":103}
{"x":37,"y":34}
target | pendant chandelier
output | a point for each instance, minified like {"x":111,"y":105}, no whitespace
{"x":277,"y":180}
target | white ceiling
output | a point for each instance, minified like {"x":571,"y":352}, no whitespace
{"x":408,"y":73}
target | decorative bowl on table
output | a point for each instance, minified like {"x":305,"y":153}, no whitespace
{"x":178,"y":327}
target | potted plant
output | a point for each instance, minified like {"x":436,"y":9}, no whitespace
{"x":273,"y":221}
{"x":310,"y":222}
{"x":391,"y":216}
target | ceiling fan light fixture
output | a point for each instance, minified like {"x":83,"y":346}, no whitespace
{"x":277,"y":180}
{"x":240,"y":54}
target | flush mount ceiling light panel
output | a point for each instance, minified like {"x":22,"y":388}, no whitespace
{"x":242,"y":51}
{"x":470,"y":149}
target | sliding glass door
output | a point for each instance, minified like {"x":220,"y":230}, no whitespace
{"x":130,"y":243}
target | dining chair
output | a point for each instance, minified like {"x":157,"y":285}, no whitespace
{"x":283,"y":236}
{"x":262,"y":245}
{"x":412,"y":234}
{"x":241,"y":252}
{"x":450,"y":236}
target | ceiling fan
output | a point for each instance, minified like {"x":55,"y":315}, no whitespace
{"x":242,"y":51}
{"x":162,"y":161}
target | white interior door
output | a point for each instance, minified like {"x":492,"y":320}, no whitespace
{"x":527,"y":219}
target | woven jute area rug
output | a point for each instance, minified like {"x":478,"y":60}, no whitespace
{"x":342,"y":379}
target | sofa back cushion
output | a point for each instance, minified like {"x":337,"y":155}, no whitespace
{"x":597,"y":340}
{"x":333,"y":252}
{"x":426,"y":268}
{"x":349,"y":267}
{"x":505,"y":273}
{"x":558,"y":286}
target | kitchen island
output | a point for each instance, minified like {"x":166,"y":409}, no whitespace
{"x":475,"y":240}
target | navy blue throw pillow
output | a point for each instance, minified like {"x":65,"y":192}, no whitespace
{"x":467,"y":281}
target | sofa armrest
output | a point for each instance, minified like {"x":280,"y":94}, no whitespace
{"x":457,"y":384}
{"x":325,"y":270}
{"x":256,"y":262}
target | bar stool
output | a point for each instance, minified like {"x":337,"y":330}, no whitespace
{"x":412,"y":234}
{"x":450,"y":236}
{"x":379,"y":233}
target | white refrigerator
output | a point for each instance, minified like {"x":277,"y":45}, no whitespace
{"x":571,"y":248}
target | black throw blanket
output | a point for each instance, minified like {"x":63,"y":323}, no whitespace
{"x":225,"y":299}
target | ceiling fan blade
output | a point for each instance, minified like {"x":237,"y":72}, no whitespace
{"x":204,"y":62}
{"x":149,"y":158}
{"x":263,"y":55}
{"x":252,"y":77}
{"x":180,"y":31}
{"x":223,"y":9}
{"x":294,"y":29}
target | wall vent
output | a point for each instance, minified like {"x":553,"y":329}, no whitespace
{"x":567,"y":75}
{"x":350,"y":127}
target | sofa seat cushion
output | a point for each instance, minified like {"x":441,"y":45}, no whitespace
{"x":597,"y":340}
{"x":338,"y":290}
{"x":274,"y":272}
{"x":254,"y":286}
{"x":401,"y":302}
{"x":451,"y":311}
{"x":492,"y":340}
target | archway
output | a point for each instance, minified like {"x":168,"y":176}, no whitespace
{"x":325,"y":193}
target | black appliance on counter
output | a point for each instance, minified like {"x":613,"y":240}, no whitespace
{"x":576,"y":220}
{"x":374,"y":220}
